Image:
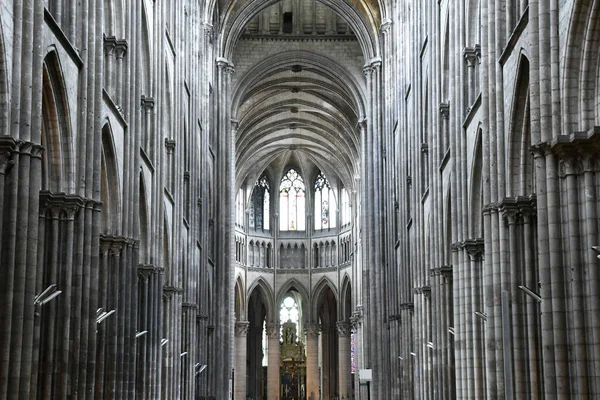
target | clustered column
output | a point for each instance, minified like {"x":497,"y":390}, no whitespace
{"x":273,"y":361}
{"x":312,"y":360}
{"x":241,"y":333}
{"x":345,"y":377}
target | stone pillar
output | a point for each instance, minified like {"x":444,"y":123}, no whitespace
{"x":345,"y":376}
{"x":312,"y":361}
{"x":241,"y":332}
{"x":273,"y":357}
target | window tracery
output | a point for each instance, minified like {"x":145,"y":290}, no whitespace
{"x":292,"y":202}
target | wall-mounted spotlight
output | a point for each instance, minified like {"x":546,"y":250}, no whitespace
{"x":451,"y":331}
{"x":597,"y":250}
{"x":50,"y":293}
{"x":183,"y":354}
{"x":163,"y":342}
{"x":202,"y":368}
{"x":481,"y":315}
{"x":531,"y":293}
{"x":103,"y":315}
{"x":140,"y":334}
{"x":413,"y":354}
{"x":430,"y":345}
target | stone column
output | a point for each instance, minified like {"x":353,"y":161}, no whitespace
{"x":312,"y":361}
{"x":273,"y":357}
{"x":345,"y":377}
{"x":241,"y":331}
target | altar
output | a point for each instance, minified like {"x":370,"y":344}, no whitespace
{"x":293,"y":364}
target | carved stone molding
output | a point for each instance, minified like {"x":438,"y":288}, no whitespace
{"x":147,"y":103}
{"x":121,"y":47}
{"x":407,"y":307}
{"x":475,"y":248}
{"x":145,"y":271}
{"x":444,"y":271}
{"x":170,"y":145}
{"x":445,"y":110}
{"x":423,"y":290}
{"x":344,"y":328}
{"x":241,"y":328}
{"x":312,"y":330}
{"x":273,"y":330}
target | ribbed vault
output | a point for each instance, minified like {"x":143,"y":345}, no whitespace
{"x":302,"y":106}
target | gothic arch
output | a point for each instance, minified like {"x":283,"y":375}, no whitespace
{"x":58,"y":160}
{"x":476,"y":195}
{"x":520,"y":163}
{"x":4,"y":109}
{"x":319,"y":291}
{"x":111,"y":196}
{"x":240,"y":300}
{"x":363,"y":17}
{"x":581,"y":76}
{"x":345,"y":305}
{"x":266,"y":296}
{"x":144,"y":225}
{"x":294,"y":285}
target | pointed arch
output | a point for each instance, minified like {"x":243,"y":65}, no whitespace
{"x":58,"y":161}
{"x":4,"y":108}
{"x":265,"y":294}
{"x":520,"y":162}
{"x":345,"y":299}
{"x":111,"y":196}
{"x":240,"y":300}
{"x":294,"y":285}
{"x":144,"y":217}
{"x":318,"y":293}
{"x":476,"y":195}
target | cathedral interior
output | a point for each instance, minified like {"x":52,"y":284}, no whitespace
{"x":299,"y":199}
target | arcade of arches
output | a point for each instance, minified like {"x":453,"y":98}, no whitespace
{"x":273,"y":199}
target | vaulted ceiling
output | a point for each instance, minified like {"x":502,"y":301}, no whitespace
{"x":299,"y":105}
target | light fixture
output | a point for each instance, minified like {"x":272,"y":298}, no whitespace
{"x":103,"y":315}
{"x":163,"y":342}
{"x":183,"y":354}
{"x":400,"y":357}
{"x":413,"y":354}
{"x":140,"y":334}
{"x":451,"y":331}
{"x":531,"y":293}
{"x":430,"y":345}
{"x":597,"y":250}
{"x":48,"y":294}
{"x":202,"y":368}
{"x":481,"y":315}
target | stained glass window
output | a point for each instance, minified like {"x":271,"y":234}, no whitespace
{"x":292,"y":202}
{"x":352,"y":359}
{"x":239,"y":209}
{"x":324,"y":204}
{"x":259,"y":206}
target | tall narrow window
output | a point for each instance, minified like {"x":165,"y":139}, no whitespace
{"x":239,"y":209}
{"x":324,"y":204}
{"x":292,"y":202}
{"x":345,"y":207}
{"x":259,"y":207}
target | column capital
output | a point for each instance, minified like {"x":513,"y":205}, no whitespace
{"x":226,"y":65}
{"x":312,"y":330}
{"x":121,"y":47}
{"x":147,"y":102}
{"x":470,"y":55}
{"x":445,"y":110}
{"x":372,"y":65}
{"x":386,"y":26}
{"x":475,"y":249}
{"x":241,"y":328}
{"x":110,"y":42}
{"x":344,"y":329}
{"x":273,"y":330}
